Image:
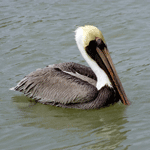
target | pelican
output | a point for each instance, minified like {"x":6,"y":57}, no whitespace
{"x":72,"y":85}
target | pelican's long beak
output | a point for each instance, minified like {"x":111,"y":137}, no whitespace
{"x":108,"y":66}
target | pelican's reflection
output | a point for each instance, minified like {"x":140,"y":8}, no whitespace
{"x":106,"y":123}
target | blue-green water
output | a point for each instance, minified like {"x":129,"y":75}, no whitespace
{"x":34,"y":34}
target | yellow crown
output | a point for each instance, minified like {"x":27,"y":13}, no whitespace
{"x":90,"y":33}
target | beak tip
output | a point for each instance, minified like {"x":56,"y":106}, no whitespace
{"x":127,"y":102}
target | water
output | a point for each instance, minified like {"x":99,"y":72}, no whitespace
{"x":34,"y":34}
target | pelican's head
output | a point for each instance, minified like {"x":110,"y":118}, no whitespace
{"x":90,"y":33}
{"x":85,"y":34}
{"x":93,"y":48}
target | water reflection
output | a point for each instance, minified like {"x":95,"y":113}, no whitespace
{"x":106,"y":125}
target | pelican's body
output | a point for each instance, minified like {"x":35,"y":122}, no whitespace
{"x":72,"y":85}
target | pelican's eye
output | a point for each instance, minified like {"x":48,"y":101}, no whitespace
{"x":100,"y":44}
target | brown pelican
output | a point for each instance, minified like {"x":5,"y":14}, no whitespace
{"x":71,"y":85}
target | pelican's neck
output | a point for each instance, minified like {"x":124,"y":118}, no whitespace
{"x":102,"y":78}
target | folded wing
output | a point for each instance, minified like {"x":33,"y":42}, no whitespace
{"x":60,"y":83}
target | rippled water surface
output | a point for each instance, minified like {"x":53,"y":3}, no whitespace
{"x":34,"y":34}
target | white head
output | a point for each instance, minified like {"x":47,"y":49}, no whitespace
{"x":83,"y":36}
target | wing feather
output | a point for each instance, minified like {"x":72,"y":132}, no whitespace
{"x":52,"y":84}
